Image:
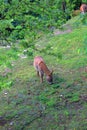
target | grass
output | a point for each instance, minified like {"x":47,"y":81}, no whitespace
{"x":26,"y":104}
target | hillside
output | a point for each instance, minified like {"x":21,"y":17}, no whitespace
{"x":26,"y":104}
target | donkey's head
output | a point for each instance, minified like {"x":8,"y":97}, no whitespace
{"x":50,"y":77}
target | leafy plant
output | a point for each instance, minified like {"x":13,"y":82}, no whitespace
{"x":4,"y":82}
{"x":75,"y":98}
{"x":51,"y":102}
{"x":30,"y":18}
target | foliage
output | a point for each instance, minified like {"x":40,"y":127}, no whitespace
{"x":4,"y":82}
{"x":31,"y":17}
{"x":84,"y":1}
{"x":84,"y":19}
{"x":7,"y":60}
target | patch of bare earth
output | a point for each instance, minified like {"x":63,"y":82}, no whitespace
{"x":58,"y":32}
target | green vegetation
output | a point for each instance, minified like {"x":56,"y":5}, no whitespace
{"x":28,"y":20}
{"x":25,"y":103}
{"x":42,"y":27}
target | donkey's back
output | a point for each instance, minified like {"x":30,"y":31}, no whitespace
{"x":41,"y":68}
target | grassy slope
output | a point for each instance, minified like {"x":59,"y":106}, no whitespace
{"x":29,"y":105}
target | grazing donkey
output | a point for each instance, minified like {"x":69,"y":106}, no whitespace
{"x":41,"y":68}
{"x":83,"y":8}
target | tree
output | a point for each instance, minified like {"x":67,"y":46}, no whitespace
{"x":26,"y":18}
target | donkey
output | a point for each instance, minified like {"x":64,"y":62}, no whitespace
{"x":83,"y":8}
{"x":41,"y":68}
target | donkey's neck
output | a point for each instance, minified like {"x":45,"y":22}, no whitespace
{"x":44,"y":68}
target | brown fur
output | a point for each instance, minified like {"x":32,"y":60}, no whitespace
{"x":41,"y":68}
{"x":83,"y":8}
{"x":44,"y":68}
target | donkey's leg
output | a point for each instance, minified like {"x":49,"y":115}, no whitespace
{"x":41,"y":76}
{"x":38,"y":73}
